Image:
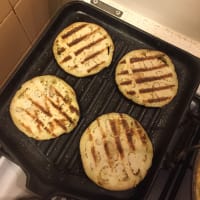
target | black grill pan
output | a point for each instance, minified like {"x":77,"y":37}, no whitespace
{"x":54,"y":166}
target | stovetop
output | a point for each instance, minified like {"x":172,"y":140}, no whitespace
{"x":175,"y":180}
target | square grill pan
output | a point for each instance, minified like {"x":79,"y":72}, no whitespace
{"x":54,"y":166}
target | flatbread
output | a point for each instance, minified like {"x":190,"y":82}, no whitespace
{"x":83,"y":49}
{"x":45,"y":107}
{"x":147,"y":77}
{"x":116,"y":152}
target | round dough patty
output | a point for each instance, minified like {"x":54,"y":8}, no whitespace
{"x":83,"y":49}
{"x":45,"y":107}
{"x":116,"y":152}
{"x":147,"y":77}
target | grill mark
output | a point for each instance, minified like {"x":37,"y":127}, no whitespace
{"x":90,"y":137}
{"x":142,"y":136}
{"x":137,"y":124}
{"x":51,"y":125}
{"x":95,"y":66}
{"x":131,"y":92}
{"x":67,"y":101}
{"x":150,"y":68}
{"x":158,"y":99}
{"x":93,"y":152}
{"x":107,"y":150}
{"x":89,"y":45}
{"x":77,"y":40}
{"x":60,"y":111}
{"x":58,"y":94}
{"x":124,"y":72}
{"x":113,"y":126}
{"x":132,"y":60}
{"x":28,"y":128}
{"x":129,"y":133}
{"x":35,"y":118}
{"x":74,"y":30}
{"x":122,"y":62}
{"x":67,"y":58}
{"x":93,"y":55}
{"x":40,"y":124}
{"x":105,"y":144}
{"x":126,"y":82}
{"x":44,"y":110}
{"x":101,"y":129}
{"x":61,"y":124}
{"x":148,"y":90}
{"x":74,"y":67}
{"x":153,"y":78}
{"x":74,"y":110}
{"x":60,"y":50}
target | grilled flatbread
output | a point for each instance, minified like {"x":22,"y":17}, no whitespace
{"x":45,"y":107}
{"x":83,"y":49}
{"x":116,"y":152}
{"x":147,"y":77}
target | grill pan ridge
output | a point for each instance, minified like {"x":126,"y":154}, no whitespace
{"x":57,"y":162}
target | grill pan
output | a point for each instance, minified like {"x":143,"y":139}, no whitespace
{"x":54,"y":166}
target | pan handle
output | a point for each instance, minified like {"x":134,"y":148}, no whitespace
{"x":190,"y":129}
{"x":105,"y":7}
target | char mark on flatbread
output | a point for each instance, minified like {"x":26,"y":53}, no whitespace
{"x":147,"y":78}
{"x":74,"y":30}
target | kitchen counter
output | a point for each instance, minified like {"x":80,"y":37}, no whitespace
{"x":154,"y":18}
